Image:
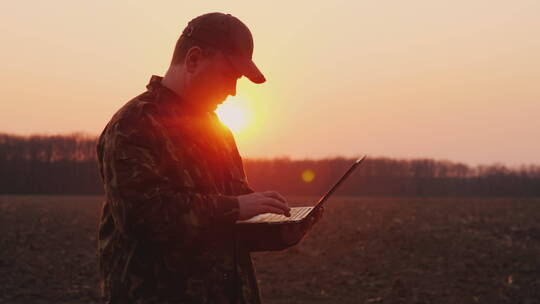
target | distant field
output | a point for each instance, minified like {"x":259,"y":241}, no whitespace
{"x":365,"y":250}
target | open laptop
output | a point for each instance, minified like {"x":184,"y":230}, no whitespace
{"x":299,"y":213}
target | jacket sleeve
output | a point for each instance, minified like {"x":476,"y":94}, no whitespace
{"x":148,"y":205}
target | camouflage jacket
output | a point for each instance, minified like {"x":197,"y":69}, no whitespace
{"x":171,"y":174}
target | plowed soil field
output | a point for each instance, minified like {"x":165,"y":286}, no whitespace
{"x":364,"y":250}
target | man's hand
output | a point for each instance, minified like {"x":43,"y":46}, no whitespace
{"x":257,"y":203}
{"x":292,"y":234}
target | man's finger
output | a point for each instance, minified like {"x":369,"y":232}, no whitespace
{"x":277,"y":204}
{"x":271,"y":209}
{"x":318,"y":214}
{"x":275,"y":195}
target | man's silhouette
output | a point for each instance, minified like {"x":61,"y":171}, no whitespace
{"x":174,"y":180}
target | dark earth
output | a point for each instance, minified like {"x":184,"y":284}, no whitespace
{"x":364,"y":250}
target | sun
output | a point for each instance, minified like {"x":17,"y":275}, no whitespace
{"x":234,"y":113}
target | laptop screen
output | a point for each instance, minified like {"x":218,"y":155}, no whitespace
{"x":351,"y":169}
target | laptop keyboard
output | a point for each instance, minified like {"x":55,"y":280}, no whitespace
{"x":297,"y":213}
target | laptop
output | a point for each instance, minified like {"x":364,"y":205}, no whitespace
{"x":299,"y":213}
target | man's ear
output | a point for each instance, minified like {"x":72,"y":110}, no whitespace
{"x":193,"y":59}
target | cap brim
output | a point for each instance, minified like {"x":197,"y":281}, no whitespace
{"x":247,"y":67}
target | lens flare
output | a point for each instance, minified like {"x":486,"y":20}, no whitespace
{"x":308,"y":176}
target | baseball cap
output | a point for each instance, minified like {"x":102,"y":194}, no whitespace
{"x":230,"y":35}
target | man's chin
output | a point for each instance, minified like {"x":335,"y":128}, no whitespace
{"x":217,"y":104}
{"x":213,"y":104}
{"x":213,"y":107}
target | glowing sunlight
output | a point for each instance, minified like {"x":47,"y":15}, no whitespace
{"x":234,"y":113}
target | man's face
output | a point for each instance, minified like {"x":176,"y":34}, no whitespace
{"x":213,"y":80}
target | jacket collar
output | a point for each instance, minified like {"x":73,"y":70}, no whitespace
{"x":165,"y":95}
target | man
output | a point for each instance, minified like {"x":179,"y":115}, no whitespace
{"x":174,"y":180}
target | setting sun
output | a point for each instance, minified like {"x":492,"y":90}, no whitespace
{"x":234,"y":113}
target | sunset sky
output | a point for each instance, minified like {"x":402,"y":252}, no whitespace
{"x":455,"y":80}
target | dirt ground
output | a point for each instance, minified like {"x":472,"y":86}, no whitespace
{"x":365,"y":250}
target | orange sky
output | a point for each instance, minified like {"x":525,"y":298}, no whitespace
{"x":456,"y":80}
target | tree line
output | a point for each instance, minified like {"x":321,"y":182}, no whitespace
{"x":67,"y":164}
